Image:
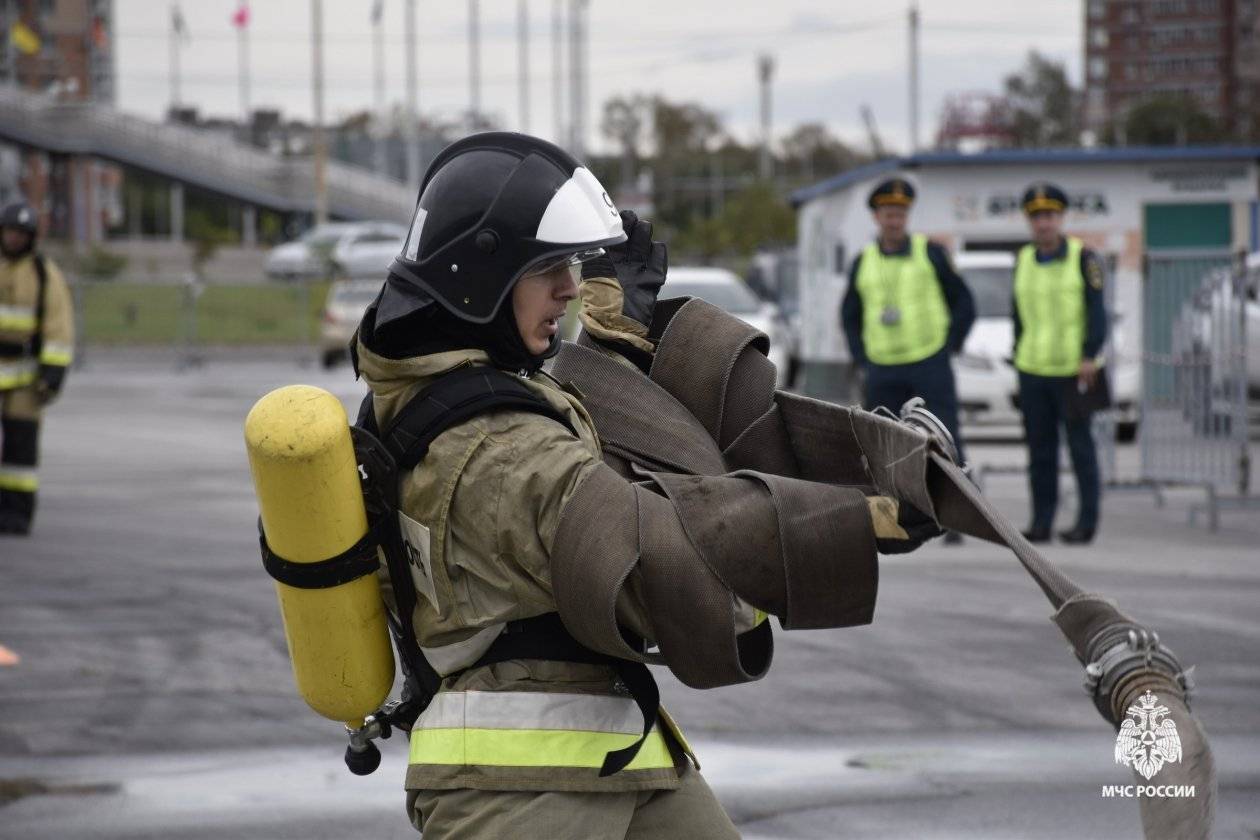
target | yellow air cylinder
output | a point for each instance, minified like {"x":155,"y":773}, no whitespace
{"x":307,"y":482}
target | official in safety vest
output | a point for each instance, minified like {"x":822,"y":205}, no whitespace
{"x":1060,"y":329}
{"x":905,"y":312}
{"x":520,"y":518}
{"x":36,"y":339}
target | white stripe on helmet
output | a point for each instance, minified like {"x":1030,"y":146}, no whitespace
{"x":580,"y":211}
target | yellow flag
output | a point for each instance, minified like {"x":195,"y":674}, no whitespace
{"x":24,"y":38}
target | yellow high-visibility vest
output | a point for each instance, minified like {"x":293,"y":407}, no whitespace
{"x":904,"y":315}
{"x":1050,"y":299}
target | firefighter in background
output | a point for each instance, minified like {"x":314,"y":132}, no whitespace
{"x":906,"y":310}
{"x":1060,"y":329}
{"x":36,"y":340}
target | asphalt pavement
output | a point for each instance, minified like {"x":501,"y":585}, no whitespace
{"x":153,"y":698}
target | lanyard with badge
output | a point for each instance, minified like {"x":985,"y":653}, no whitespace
{"x":890,"y":315}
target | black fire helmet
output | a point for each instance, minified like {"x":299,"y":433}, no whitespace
{"x":494,"y":207}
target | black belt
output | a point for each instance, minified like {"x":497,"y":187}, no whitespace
{"x":545,"y":637}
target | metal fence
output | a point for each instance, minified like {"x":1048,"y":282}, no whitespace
{"x":188,"y":318}
{"x":1194,"y":377}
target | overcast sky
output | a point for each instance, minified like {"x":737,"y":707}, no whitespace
{"x":831,"y":57}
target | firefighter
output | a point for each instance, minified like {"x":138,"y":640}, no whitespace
{"x":36,"y":341}
{"x":534,"y":733}
{"x":1060,"y":329}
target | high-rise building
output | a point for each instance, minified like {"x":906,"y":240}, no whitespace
{"x":1139,"y":49}
{"x":61,"y":46}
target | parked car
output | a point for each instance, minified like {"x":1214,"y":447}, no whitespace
{"x":725,"y":290}
{"x":988,"y":386}
{"x":1252,"y":308}
{"x":343,"y":309}
{"x":350,"y":248}
{"x":368,"y":249}
{"x":775,"y":276}
{"x":986,"y":380}
{"x":1215,"y":350}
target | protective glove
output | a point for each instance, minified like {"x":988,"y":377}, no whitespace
{"x":48,"y":385}
{"x":899,"y":528}
{"x":638,"y":265}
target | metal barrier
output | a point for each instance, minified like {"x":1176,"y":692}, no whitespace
{"x":188,"y":318}
{"x":1194,"y":377}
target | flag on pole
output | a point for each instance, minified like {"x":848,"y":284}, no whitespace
{"x":240,"y":18}
{"x":24,"y":38}
{"x":179,"y":27}
{"x":377,"y":8}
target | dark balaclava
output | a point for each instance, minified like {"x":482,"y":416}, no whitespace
{"x":433,"y":329}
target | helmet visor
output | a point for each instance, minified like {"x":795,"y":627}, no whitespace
{"x":551,"y":264}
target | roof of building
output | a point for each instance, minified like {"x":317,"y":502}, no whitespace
{"x":1030,"y":157}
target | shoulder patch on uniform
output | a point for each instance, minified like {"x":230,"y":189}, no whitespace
{"x":1094,"y":273}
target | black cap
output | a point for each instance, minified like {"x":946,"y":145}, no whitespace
{"x":897,"y":192}
{"x":1044,"y":196}
{"x":18,"y":214}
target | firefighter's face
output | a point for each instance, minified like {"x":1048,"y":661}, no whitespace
{"x":14,"y":240}
{"x":539,"y":302}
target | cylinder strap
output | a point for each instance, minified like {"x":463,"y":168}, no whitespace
{"x":355,"y":562}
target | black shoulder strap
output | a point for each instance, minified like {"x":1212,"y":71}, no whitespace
{"x":41,"y":271}
{"x":452,"y":399}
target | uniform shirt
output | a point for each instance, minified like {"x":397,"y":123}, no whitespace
{"x":1095,"y":309}
{"x":962,"y":307}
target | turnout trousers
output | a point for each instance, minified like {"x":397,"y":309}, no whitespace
{"x":20,"y":410}
{"x":690,"y":812}
{"x":932,"y":379}
{"x":1041,"y":399}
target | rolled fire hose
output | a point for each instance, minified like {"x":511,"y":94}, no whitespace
{"x":1126,"y":666}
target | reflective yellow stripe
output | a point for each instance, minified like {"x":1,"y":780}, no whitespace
{"x":532,"y":729}
{"x":17,"y":318}
{"x":16,"y":374}
{"x":18,"y":479}
{"x":759,"y":617}
{"x":56,"y":353}
{"x":532,"y":748}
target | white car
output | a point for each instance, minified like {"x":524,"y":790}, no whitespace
{"x":368,"y":249}
{"x":985,"y":378}
{"x":343,"y":309}
{"x":725,"y":290}
{"x":988,"y":385}
{"x":350,"y":248}
{"x":1252,"y":308}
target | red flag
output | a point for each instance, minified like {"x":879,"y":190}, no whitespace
{"x":240,"y":19}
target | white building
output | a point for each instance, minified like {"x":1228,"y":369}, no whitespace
{"x":1125,"y":203}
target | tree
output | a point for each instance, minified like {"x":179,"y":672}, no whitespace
{"x":625,"y":122}
{"x":1170,"y":120}
{"x":683,"y":136}
{"x":1043,"y":104}
{"x":755,"y":217}
{"x":811,"y":152}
